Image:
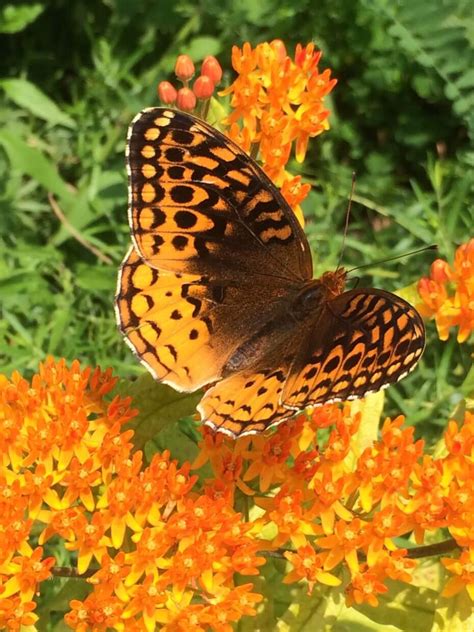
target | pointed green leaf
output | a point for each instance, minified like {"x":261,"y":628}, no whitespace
{"x":15,"y":17}
{"x":33,"y":162}
{"x":27,"y":96}
{"x":159,"y":406}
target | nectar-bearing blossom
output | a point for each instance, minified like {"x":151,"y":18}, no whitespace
{"x":156,"y":552}
{"x":277,"y":101}
{"x":276,"y":105}
{"x":448,"y":293}
{"x":163,"y":549}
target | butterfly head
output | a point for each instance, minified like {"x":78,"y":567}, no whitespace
{"x":313,"y":294}
{"x":333,"y":283}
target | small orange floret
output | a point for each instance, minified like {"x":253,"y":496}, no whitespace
{"x":278,"y":101}
{"x":448,"y":293}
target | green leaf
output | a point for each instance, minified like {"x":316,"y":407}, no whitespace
{"x":317,"y":612}
{"x":200,"y":47}
{"x":403,"y":606}
{"x":32,"y":162}
{"x":27,"y":96}
{"x":14,"y":18}
{"x":64,"y":591}
{"x":158,"y":405}
{"x":95,"y":278}
{"x":455,"y":614}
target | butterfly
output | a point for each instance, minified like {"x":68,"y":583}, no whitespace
{"x":218,"y":287}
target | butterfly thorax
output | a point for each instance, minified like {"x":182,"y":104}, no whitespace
{"x":313,"y":296}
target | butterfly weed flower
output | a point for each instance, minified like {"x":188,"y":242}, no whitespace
{"x":17,"y":614}
{"x":310,"y":567}
{"x":462,"y":574}
{"x":448,"y":293}
{"x":278,"y":102}
{"x":183,"y":548}
{"x":364,"y":588}
{"x":327,"y":508}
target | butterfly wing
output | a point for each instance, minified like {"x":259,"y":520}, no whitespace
{"x":358,"y":343}
{"x":217,"y":249}
{"x":185,"y":328}
{"x":367,"y":340}
{"x":201,"y":205}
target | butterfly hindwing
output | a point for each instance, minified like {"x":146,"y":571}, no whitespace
{"x":357,"y":343}
{"x":189,"y":329}
{"x":365,"y":340}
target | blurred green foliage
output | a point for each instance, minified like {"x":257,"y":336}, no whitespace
{"x":73,"y":74}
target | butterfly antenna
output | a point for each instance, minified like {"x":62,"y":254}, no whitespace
{"x":348,"y":214}
{"x":406,"y":254}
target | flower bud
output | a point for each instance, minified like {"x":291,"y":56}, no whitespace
{"x":186,"y":100}
{"x":279,"y":49}
{"x":184,"y":67}
{"x":166,"y":92}
{"x":211,"y":68}
{"x":203,"y":87}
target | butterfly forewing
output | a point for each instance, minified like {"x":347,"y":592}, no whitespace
{"x":200,"y":205}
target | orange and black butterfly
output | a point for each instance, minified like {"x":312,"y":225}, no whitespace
{"x":218,"y":288}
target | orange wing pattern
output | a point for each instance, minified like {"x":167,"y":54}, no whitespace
{"x":199,"y":204}
{"x":185,"y":328}
{"x":358,"y":343}
{"x":376,"y":338}
{"x":217,"y":288}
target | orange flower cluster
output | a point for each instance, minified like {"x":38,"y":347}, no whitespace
{"x":448,"y":293}
{"x":158,"y":553}
{"x":278,"y":101}
{"x":68,"y":472}
{"x":333,"y":508}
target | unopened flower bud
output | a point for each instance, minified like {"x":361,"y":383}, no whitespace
{"x":440,"y":271}
{"x":203,"y":87}
{"x":184,"y":67}
{"x":186,"y":100}
{"x":211,"y":68}
{"x":166,"y":92}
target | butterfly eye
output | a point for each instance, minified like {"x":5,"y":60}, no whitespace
{"x":307,"y":300}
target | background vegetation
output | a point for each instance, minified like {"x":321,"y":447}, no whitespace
{"x":73,"y":74}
